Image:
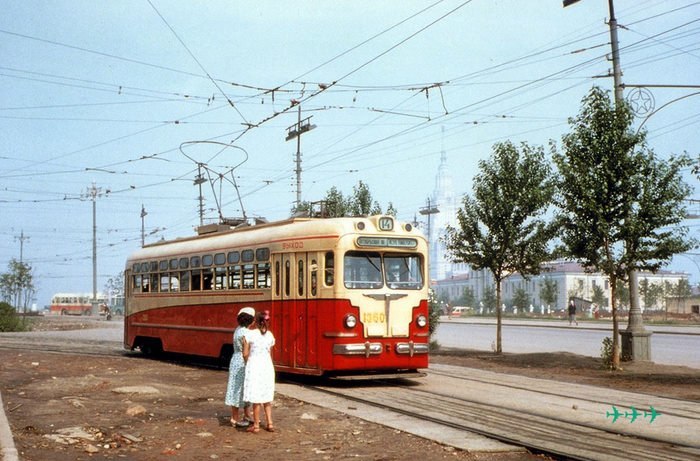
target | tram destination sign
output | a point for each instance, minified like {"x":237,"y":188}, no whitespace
{"x":387,"y":242}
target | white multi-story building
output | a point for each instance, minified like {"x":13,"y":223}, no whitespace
{"x":570,"y":278}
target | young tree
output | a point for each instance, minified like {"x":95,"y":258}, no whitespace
{"x":467,"y":299}
{"x":599,"y":297}
{"x":488,"y":299}
{"x":17,"y":285}
{"x":502,"y":228}
{"x":549,"y":291}
{"x":620,"y":207}
{"x":360,"y":203}
{"x":521,"y":299}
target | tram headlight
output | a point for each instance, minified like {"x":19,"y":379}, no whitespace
{"x":350,"y":321}
{"x":421,"y":321}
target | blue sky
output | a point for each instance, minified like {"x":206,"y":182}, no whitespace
{"x":122,"y":94}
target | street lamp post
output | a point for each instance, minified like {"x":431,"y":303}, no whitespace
{"x":636,"y":340}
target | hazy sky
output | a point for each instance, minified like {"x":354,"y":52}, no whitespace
{"x":123,"y":93}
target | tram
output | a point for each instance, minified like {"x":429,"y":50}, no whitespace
{"x":75,"y":304}
{"x":347,"y":297}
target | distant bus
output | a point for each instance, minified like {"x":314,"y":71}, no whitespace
{"x":75,"y":304}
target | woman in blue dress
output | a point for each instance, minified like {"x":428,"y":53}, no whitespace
{"x":236,"y":370}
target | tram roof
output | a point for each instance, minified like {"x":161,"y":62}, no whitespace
{"x":251,"y":234}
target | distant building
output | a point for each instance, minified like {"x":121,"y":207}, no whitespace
{"x":570,"y":278}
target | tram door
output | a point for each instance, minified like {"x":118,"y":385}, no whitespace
{"x":295,"y":339}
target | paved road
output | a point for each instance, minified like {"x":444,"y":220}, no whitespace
{"x":670,"y":345}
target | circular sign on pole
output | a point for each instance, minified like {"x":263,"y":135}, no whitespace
{"x":641,"y":101}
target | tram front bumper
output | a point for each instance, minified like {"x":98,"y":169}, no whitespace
{"x":369,"y":348}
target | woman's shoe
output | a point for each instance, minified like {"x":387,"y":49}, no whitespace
{"x":270,"y":428}
{"x":253,"y":429}
{"x":243,"y":423}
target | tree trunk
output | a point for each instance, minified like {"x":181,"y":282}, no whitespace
{"x":499,"y":348}
{"x":616,"y":332}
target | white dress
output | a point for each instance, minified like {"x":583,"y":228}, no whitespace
{"x":259,"y":386}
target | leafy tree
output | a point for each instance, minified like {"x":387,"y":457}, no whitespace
{"x":654,"y":294}
{"x":335,"y":205}
{"x":623,"y":294}
{"x":599,"y":297}
{"x":681,"y":291}
{"x":467,"y":298}
{"x":9,"y":320}
{"x":502,"y":228}
{"x":361,"y":203}
{"x":17,"y":285}
{"x":521,"y":299}
{"x":488,"y":299}
{"x":433,"y":312}
{"x":620,"y":206}
{"x":549,"y":292}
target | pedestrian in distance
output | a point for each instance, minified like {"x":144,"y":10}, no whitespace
{"x":236,"y":370}
{"x":259,"y":386}
{"x":572,"y":312}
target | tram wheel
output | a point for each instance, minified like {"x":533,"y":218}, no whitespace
{"x":151,"y":346}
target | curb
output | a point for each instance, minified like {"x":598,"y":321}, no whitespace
{"x":9,"y":452}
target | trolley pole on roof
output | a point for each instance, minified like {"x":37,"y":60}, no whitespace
{"x":295,"y":131}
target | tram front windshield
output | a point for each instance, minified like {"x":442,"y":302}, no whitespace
{"x":370,"y":269}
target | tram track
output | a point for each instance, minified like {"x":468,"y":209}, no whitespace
{"x":538,"y":431}
{"x":517,"y":385}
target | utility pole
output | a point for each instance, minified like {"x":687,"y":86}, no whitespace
{"x":295,"y":131}
{"x":636,"y":340}
{"x":92,"y":193}
{"x":143,"y":235}
{"x":21,"y":238}
{"x":429,"y":210}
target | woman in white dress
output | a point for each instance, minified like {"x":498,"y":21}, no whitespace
{"x":259,"y":385}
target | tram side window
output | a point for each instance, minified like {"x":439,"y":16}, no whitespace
{"x":207,"y":279}
{"x":278,"y":278}
{"x":185,"y":281}
{"x":314,"y":277}
{"x":287,"y":276}
{"x":146,"y":283}
{"x":329,"y":270}
{"x":164,"y":282}
{"x":196,"y":281}
{"x":248,"y":276}
{"x":174,"y":281}
{"x":136,"y":284}
{"x":300,"y":277}
{"x":263,"y":276}
{"x":220,"y":278}
{"x":234,"y":277}
{"x":362,"y":269}
{"x":154,"y":283}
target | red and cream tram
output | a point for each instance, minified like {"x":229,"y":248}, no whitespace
{"x":347,"y":296}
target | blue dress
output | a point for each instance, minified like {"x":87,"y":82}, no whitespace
{"x":236,"y":371}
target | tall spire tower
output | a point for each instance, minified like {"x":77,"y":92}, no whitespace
{"x":444,"y":199}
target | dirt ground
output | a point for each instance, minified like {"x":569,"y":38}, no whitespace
{"x":64,"y":407}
